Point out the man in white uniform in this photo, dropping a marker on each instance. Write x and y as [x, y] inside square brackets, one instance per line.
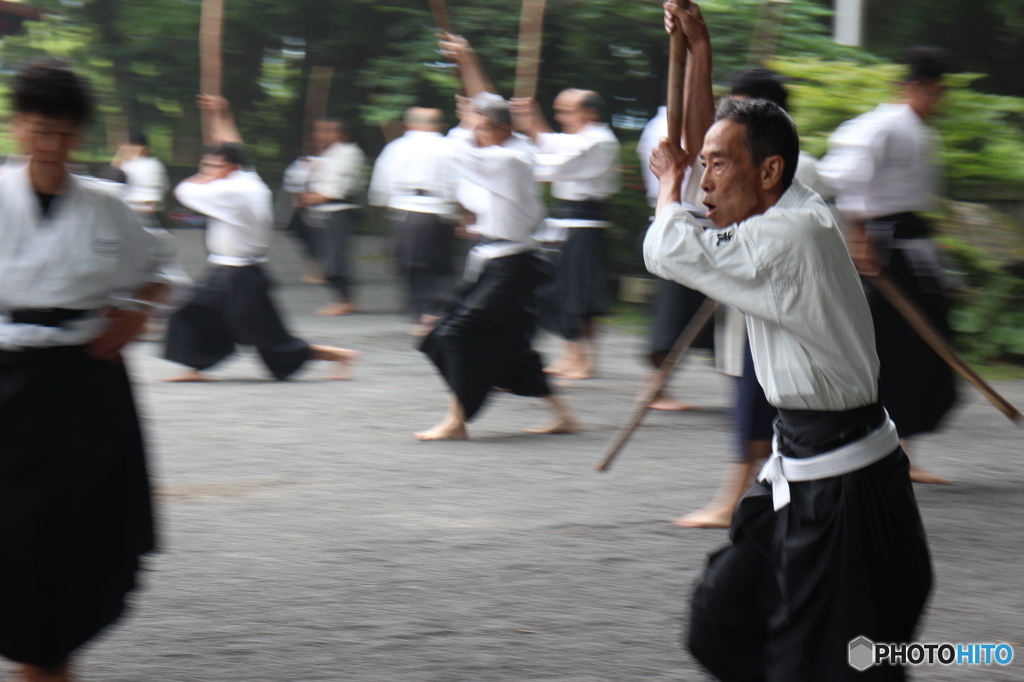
[414, 179]
[582, 163]
[78, 277]
[829, 546]
[485, 341]
[337, 178]
[146, 175]
[882, 166]
[233, 305]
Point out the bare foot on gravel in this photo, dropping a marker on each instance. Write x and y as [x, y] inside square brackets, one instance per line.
[556, 425]
[922, 476]
[444, 431]
[713, 516]
[337, 309]
[669, 404]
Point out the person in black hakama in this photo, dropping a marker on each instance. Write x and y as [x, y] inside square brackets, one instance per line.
[336, 179]
[232, 306]
[485, 341]
[582, 163]
[829, 545]
[414, 180]
[78, 277]
[882, 167]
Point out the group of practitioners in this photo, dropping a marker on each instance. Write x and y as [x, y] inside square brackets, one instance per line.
[825, 547]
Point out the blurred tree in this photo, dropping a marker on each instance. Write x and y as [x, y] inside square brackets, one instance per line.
[987, 36]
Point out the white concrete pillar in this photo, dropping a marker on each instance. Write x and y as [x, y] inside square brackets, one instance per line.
[849, 22]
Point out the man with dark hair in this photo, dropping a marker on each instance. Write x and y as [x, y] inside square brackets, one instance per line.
[336, 180]
[582, 163]
[147, 177]
[883, 169]
[829, 545]
[414, 179]
[233, 305]
[753, 414]
[485, 341]
[78, 278]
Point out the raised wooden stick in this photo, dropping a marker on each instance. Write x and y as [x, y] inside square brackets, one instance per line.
[531, 31]
[676, 79]
[653, 387]
[317, 94]
[442, 19]
[211, 26]
[923, 326]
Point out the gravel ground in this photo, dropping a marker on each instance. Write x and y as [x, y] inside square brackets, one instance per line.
[307, 536]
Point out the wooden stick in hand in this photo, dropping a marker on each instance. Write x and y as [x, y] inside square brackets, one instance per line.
[676, 78]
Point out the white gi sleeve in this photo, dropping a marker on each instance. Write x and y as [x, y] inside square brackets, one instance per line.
[726, 264]
[572, 162]
[146, 258]
[856, 149]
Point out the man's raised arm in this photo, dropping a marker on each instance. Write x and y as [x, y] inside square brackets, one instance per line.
[474, 79]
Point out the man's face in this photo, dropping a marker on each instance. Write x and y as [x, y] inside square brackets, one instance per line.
[47, 140]
[731, 181]
[216, 167]
[569, 113]
[488, 133]
[325, 134]
[924, 96]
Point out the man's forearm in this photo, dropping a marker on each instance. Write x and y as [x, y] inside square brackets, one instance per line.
[668, 191]
[698, 100]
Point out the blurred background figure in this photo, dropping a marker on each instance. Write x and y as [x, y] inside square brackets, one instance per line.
[78, 277]
[336, 181]
[485, 342]
[146, 176]
[884, 171]
[414, 179]
[582, 163]
[296, 183]
[232, 306]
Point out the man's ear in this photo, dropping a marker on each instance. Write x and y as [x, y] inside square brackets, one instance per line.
[771, 172]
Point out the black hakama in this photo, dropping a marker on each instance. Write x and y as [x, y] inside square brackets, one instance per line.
[233, 306]
[75, 507]
[423, 252]
[333, 249]
[484, 342]
[918, 386]
[582, 286]
[847, 557]
[301, 231]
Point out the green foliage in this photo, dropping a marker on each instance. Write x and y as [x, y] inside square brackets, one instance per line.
[988, 316]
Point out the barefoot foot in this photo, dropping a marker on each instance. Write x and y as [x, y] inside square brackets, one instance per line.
[922, 476]
[193, 375]
[446, 430]
[556, 425]
[713, 516]
[669, 404]
[337, 309]
[344, 361]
